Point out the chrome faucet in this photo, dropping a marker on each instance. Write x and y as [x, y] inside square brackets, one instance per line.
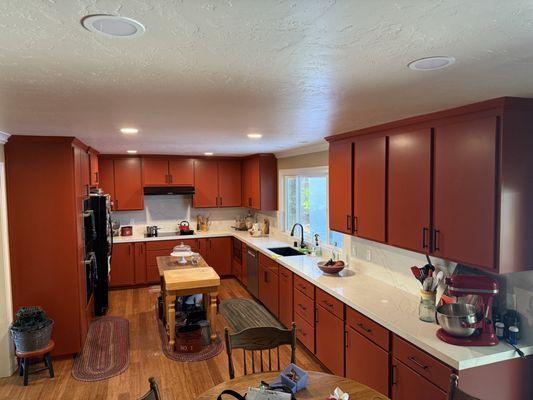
[302, 243]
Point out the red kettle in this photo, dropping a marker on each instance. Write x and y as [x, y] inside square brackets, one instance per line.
[184, 226]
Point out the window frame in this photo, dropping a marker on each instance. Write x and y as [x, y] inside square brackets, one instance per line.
[282, 215]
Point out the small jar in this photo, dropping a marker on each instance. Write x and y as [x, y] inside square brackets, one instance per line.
[426, 308]
[514, 333]
[500, 330]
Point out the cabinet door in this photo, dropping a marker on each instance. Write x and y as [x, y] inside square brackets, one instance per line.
[219, 255]
[93, 161]
[107, 177]
[273, 292]
[140, 263]
[263, 285]
[229, 183]
[244, 270]
[122, 265]
[366, 362]
[205, 183]
[155, 172]
[409, 194]
[285, 297]
[181, 172]
[202, 249]
[408, 385]
[370, 187]
[128, 184]
[330, 340]
[251, 183]
[340, 186]
[465, 191]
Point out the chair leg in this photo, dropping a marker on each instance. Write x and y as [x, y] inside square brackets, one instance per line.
[48, 363]
[19, 362]
[25, 363]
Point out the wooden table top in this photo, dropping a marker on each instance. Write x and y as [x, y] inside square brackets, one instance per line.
[178, 276]
[319, 387]
[165, 263]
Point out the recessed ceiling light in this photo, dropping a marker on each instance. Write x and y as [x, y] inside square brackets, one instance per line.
[254, 135]
[113, 25]
[131, 151]
[129, 131]
[431, 63]
[208, 154]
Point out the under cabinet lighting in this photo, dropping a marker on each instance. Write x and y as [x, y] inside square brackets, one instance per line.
[129, 131]
[131, 151]
[208, 154]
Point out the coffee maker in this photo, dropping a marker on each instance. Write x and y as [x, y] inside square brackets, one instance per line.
[486, 288]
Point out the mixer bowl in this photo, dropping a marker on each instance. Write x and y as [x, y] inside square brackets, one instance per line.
[457, 318]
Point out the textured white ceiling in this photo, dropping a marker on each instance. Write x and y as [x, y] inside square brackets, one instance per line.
[205, 73]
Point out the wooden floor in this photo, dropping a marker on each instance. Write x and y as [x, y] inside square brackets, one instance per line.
[177, 380]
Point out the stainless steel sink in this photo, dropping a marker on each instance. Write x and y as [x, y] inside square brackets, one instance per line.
[286, 251]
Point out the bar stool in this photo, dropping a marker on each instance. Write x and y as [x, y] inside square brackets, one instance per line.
[25, 357]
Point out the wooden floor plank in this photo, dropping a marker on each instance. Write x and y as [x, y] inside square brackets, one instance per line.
[177, 380]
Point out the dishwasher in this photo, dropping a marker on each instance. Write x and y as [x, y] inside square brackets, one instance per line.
[253, 273]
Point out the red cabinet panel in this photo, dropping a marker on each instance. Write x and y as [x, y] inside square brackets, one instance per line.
[269, 289]
[251, 183]
[107, 177]
[244, 268]
[206, 187]
[93, 161]
[329, 334]
[465, 191]
[229, 183]
[368, 328]
[370, 187]
[366, 362]
[409, 195]
[340, 186]
[305, 332]
[285, 297]
[181, 172]
[128, 184]
[304, 306]
[155, 172]
[140, 263]
[408, 385]
[122, 265]
[219, 254]
[304, 286]
[330, 303]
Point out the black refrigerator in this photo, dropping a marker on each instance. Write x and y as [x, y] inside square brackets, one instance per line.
[102, 248]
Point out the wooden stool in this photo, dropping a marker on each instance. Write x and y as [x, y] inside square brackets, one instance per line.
[24, 358]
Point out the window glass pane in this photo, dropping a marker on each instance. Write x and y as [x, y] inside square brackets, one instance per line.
[290, 202]
[335, 237]
[317, 206]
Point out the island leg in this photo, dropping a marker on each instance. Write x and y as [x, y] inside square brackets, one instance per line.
[212, 313]
[170, 304]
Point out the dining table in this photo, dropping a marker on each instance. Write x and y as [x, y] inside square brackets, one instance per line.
[319, 386]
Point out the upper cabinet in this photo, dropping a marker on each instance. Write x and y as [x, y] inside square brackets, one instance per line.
[453, 184]
[93, 167]
[167, 172]
[121, 178]
[370, 163]
[340, 186]
[409, 185]
[260, 182]
[217, 183]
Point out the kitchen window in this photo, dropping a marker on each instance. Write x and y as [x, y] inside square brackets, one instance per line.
[305, 200]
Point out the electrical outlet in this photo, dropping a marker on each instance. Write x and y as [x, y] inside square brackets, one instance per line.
[368, 255]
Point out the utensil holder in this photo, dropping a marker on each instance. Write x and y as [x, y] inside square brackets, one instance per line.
[426, 308]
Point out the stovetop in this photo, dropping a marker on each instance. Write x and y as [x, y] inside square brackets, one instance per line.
[164, 234]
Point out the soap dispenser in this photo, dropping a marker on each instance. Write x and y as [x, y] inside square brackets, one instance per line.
[317, 249]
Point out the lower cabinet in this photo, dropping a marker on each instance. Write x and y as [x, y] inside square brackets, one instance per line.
[285, 297]
[269, 289]
[122, 265]
[140, 277]
[409, 385]
[244, 269]
[329, 334]
[217, 253]
[366, 362]
[305, 332]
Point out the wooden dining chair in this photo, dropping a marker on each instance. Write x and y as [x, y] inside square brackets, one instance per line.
[454, 393]
[259, 339]
[153, 393]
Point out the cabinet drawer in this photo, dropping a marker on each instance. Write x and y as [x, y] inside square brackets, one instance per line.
[330, 303]
[152, 274]
[421, 362]
[305, 333]
[269, 263]
[368, 328]
[170, 244]
[304, 307]
[305, 287]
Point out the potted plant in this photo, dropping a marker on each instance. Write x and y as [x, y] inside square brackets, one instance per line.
[32, 329]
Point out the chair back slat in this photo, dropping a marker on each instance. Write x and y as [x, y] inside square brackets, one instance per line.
[259, 339]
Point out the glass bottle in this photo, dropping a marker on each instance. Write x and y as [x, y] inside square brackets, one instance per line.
[426, 307]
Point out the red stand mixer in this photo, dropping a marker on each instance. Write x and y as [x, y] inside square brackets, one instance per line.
[466, 324]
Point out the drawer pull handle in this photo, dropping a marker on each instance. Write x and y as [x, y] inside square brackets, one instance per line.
[302, 307]
[415, 361]
[367, 330]
[301, 287]
[327, 304]
[302, 332]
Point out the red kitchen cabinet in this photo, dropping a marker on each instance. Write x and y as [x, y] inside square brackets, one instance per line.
[260, 182]
[251, 176]
[269, 289]
[466, 155]
[408, 385]
[340, 186]
[229, 183]
[140, 263]
[329, 334]
[244, 270]
[155, 172]
[93, 163]
[370, 188]
[181, 171]
[107, 177]
[366, 362]
[167, 172]
[206, 183]
[128, 184]
[122, 265]
[409, 190]
[217, 253]
[285, 297]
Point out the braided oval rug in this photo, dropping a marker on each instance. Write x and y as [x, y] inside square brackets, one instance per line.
[106, 352]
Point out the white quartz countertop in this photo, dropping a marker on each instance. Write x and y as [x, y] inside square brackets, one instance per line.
[393, 308]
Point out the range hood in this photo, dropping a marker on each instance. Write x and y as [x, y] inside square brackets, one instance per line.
[169, 190]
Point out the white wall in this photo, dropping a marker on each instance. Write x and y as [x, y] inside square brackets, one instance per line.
[7, 361]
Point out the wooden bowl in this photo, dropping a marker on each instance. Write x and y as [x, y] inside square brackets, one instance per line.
[330, 269]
